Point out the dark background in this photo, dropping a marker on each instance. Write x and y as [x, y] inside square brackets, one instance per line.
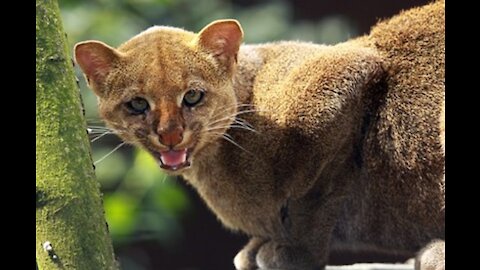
[157, 222]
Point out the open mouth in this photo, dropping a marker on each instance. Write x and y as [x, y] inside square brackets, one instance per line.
[174, 160]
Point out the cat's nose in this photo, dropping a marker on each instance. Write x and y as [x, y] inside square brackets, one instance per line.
[171, 136]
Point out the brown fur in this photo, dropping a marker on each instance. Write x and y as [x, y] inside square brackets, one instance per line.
[348, 152]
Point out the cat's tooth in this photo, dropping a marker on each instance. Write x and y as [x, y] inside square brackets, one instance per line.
[162, 160]
[184, 156]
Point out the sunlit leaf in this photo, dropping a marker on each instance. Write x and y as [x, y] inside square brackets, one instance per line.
[121, 213]
[145, 161]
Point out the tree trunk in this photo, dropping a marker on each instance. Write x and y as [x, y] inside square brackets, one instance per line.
[70, 225]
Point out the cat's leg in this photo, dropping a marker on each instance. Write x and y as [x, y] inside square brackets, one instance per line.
[245, 259]
[286, 256]
[268, 254]
[432, 257]
[307, 226]
[325, 94]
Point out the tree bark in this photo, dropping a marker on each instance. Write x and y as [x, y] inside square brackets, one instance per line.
[71, 232]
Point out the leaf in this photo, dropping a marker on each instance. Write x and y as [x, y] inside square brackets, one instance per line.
[121, 211]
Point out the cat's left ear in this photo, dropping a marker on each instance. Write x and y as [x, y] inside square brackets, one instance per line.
[222, 39]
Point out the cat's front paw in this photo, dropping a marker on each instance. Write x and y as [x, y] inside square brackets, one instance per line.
[245, 259]
[432, 257]
[273, 255]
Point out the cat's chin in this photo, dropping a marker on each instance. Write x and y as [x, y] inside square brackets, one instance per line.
[173, 160]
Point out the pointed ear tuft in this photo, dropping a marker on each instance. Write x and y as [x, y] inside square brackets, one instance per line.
[222, 39]
[96, 59]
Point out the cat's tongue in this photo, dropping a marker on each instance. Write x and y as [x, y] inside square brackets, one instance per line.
[174, 158]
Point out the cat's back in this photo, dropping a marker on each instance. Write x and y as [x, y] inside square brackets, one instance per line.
[278, 63]
[408, 128]
[413, 46]
[403, 149]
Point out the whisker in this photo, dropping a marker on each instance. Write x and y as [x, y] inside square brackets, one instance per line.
[220, 120]
[240, 105]
[109, 153]
[100, 136]
[98, 131]
[245, 124]
[164, 178]
[94, 133]
[90, 130]
[231, 126]
[103, 127]
[244, 105]
[237, 123]
[244, 127]
[232, 116]
[229, 139]
[237, 106]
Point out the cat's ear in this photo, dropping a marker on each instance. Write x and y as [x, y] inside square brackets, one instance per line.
[222, 39]
[97, 60]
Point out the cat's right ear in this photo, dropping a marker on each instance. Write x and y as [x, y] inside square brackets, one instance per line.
[97, 60]
[222, 39]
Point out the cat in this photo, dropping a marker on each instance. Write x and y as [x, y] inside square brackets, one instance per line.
[306, 148]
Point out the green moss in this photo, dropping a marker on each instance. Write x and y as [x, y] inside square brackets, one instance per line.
[69, 209]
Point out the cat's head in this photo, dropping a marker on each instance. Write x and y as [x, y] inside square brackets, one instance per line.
[167, 90]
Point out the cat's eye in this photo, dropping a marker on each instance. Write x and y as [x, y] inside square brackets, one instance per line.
[137, 105]
[193, 97]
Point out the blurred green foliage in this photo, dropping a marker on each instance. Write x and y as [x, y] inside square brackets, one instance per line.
[140, 201]
[144, 204]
